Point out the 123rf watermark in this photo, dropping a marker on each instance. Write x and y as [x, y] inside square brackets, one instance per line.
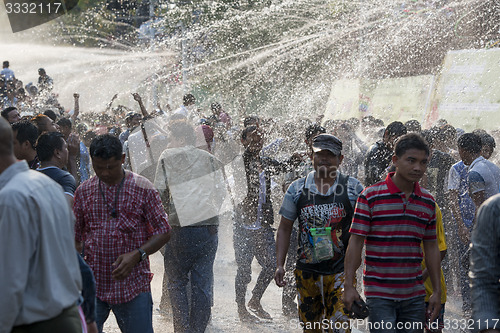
[363, 324]
[26, 14]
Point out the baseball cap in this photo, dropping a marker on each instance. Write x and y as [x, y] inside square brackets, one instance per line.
[327, 142]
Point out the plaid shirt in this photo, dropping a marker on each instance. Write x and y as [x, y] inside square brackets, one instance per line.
[140, 216]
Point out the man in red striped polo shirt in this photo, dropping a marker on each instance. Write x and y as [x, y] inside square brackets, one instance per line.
[392, 217]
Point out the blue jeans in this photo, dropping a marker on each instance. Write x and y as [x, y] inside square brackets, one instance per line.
[189, 259]
[135, 316]
[389, 316]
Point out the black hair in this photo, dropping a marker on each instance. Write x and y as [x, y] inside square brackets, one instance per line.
[413, 125]
[65, 122]
[446, 132]
[6, 63]
[247, 131]
[486, 139]
[6, 111]
[51, 114]
[106, 146]
[313, 129]
[26, 131]
[470, 142]
[250, 120]
[396, 128]
[188, 99]
[47, 143]
[216, 107]
[410, 141]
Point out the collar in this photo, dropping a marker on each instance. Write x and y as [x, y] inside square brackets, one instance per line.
[394, 189]
[12, 171]
[477, 160]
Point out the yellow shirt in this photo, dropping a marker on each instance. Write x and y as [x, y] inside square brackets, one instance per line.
[442, 247]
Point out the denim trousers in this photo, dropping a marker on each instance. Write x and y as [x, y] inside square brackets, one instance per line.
[247, 245]
[135, 316]
[390, 316]
[189, 260]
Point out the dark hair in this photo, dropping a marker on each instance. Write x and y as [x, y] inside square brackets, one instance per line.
[470, 142]
[6, 63]
[216, 107]
[313, 129]
[247, 131]
[188, 99]
[410, 141]
[6, 111]
[486, 139]
[446, 132]
[51, 114]
[183, 131]
[413, 125]
[396, 128]
[106, 146]
[428, 136]
[65, 122]
[250, 120]
[47, 143]
[26, 131]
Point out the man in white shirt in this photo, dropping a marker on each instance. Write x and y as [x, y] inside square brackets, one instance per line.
[40, 276]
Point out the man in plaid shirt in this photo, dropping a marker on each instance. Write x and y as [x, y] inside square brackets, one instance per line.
[119, 222]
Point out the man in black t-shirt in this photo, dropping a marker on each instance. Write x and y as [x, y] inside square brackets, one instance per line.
[25, 135]
[52, 151]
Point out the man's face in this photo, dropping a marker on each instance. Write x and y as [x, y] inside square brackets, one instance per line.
[64, 153]
[48, 125]
[412, 165]
[326, 163]
[487, 151]
[18, 152]
[13, 116]
[109, 171]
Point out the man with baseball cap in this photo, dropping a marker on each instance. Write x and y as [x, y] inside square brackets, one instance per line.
[323, 202]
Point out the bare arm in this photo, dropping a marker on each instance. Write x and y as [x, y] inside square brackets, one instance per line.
[282, 244]
[352, 262]
[138, 98]
[433, 264]
[76, 107]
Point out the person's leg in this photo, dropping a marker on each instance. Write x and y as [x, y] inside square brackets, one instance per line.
[288, 305]
[135, 316]
[102, 313]
[244, 253]
[382, 317]
[310, 300]
[333, 286]
[265, 253]
[411, 315]
[202, 276]
[177, 265]
[464, 279]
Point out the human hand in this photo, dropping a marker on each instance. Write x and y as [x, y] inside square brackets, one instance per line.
[124, 265]
[279, 276]
[92, 327]
[349, 296]
[73, 144]
[434, 307]
[76, 95]
[137, 97]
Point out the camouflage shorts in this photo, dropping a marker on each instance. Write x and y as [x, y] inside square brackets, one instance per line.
[320, 302]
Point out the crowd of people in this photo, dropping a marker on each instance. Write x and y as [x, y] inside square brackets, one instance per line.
[422, 203]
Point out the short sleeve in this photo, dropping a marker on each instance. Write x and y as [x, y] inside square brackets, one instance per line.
[361, 221]
[289, 206]
[453, 179]
[440, 230]
[476, 182]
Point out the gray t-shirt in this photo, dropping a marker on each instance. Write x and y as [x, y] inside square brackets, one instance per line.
[484, 176]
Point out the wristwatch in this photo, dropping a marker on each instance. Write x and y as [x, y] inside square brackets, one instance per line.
[142, 253]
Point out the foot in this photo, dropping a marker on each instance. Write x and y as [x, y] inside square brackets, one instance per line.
[246, 316]
[256, 307]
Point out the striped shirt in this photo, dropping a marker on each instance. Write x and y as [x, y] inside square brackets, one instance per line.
[394, 228]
